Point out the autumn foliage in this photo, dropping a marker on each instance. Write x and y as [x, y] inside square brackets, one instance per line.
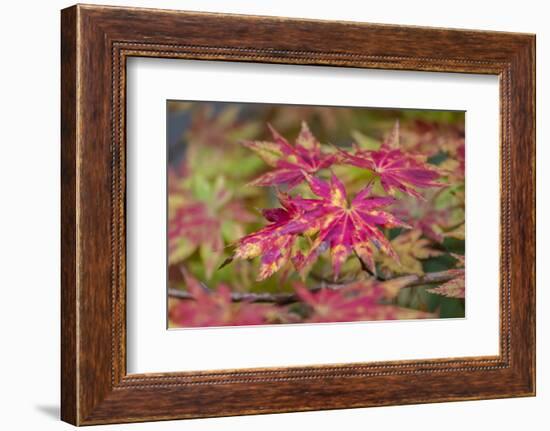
[264, 229]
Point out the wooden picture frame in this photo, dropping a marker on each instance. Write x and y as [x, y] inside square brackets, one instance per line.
[96, 41]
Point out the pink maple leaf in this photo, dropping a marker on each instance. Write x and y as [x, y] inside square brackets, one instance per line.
[427, 216]
[197, 224]
[194, 225]
[290, 161]
[271, 243]
[345, 227]
[339, 305]
[456, 287]
[359, 300]
[397, 170]
[215, 308]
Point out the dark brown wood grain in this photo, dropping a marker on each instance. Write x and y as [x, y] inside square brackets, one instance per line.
[68, 217]
[96, 41]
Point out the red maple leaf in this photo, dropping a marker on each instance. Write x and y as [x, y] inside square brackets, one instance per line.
[344, 227]
[271, 243]
[359, 300]
[215, 308]
[193, 226]
[397, 170]
[290, 161]
[345, 304]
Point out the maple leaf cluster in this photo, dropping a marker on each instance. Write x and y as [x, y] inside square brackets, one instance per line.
[331, 220]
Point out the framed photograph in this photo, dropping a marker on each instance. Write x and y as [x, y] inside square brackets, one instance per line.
[265, 215]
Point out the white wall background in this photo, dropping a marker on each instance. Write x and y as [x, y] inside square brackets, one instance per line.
[29, 215]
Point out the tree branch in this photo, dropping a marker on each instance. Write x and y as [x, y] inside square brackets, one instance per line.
[289, 298]
[277, 298]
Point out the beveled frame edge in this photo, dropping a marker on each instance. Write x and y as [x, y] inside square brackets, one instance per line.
[96, 41]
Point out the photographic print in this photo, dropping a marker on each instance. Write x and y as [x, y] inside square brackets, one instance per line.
[287, 214]
[313, 243]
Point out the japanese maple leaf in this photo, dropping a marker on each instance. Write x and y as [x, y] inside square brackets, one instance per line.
[193, 226]
[344, 304]
[455, 164]
[271, 242]
[456, 287]
[360, 300]
[427, 216]
[397, 170]
[290, 161]
[432, 138]
[215, 308]
[197, 223]
[344, 227]
[411, 249]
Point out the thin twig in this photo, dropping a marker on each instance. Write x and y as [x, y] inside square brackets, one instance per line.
[289, 298]
[365, 268]
[277, 298]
